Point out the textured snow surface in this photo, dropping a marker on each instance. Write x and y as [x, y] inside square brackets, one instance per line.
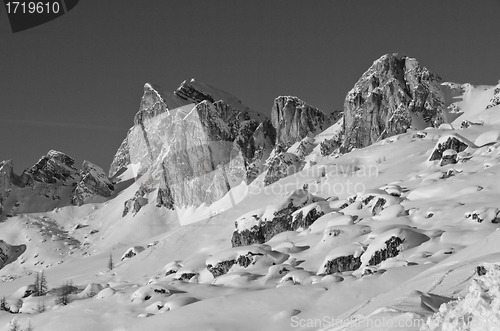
[478, 310]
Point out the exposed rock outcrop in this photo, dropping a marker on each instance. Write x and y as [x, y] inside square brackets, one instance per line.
[328, 146]
[281, 165]
[450, 142]
[391, 244]
[342, 258]
[9, 253]
[93, 182]
[394, 94]
[261, 225]
[131, 252]
[137, 201]
[495, 99]
[236, 258]
[307, 215]
[222, 267]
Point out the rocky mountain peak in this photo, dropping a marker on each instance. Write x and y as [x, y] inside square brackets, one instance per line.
[189, 151]
[188, 91]
[224, 108]
[51, 168]
[394, 94]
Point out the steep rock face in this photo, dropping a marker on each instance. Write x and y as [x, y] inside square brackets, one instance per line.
[293, 120]
[93, 182]
[257, 149]
[394, 94]
[195, 164]
[157, 101]
[122, 157]
[194, 153]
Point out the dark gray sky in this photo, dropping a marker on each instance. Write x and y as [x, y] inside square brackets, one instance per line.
[74, 84]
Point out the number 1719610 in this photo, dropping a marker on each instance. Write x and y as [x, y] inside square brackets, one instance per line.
[24, 7]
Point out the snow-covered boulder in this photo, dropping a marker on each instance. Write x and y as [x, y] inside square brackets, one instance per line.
[484, 214]
[377, 200]
[242, 257]
[261, 225]
[488, 137]
[90, 291]
[300, 276]
[105, 293]
[452, 141]
[154, 292]
[449, 157]
[13, 305]
[177, 302]
[24, 291]
[307, 215]
[172, 267]
[131, 252]
[343, 258]
[390, 244]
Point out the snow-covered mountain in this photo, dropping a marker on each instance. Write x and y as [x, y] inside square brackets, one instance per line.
[383, 217]
[52, 182]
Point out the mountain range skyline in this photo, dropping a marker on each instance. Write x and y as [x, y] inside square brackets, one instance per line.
[75, 87]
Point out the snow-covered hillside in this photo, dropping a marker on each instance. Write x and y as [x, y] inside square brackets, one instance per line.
[401, 234]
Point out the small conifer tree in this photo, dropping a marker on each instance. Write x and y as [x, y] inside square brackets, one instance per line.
[111, 264]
